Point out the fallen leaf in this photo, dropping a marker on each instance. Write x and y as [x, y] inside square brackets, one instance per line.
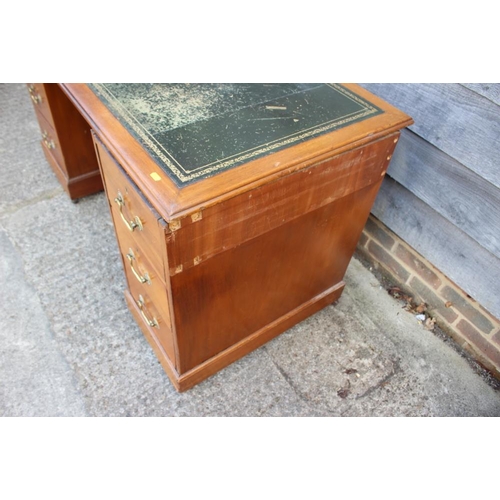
[343, 393]
[349, 371]
[409, 305]
[449, 304]
[394, 291]
[421, 308]
[429, 324]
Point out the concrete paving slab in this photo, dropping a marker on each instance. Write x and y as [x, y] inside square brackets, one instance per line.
[24, 173]
[80, 281]
[364, 356]
[35, 379]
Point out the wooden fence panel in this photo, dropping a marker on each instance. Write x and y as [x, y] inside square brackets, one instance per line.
[460, 195]
[461, 258]
[455, 119]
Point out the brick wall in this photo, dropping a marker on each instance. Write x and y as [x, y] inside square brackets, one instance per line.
[455, 312]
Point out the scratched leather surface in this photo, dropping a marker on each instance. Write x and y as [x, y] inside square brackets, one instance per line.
[194, 131]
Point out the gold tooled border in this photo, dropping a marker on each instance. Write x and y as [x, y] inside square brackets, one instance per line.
[184, 176]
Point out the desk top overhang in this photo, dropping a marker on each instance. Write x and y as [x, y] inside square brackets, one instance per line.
[189, 146]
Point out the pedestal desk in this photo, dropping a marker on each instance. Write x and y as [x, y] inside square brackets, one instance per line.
[236, 207]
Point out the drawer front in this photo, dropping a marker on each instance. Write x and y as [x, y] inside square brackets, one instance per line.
[132, 214]
[147, 259]
[141, 274]
[152, 304]
[50, 140]
[39, 100]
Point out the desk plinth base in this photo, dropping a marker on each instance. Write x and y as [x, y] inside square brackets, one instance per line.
[185, 381]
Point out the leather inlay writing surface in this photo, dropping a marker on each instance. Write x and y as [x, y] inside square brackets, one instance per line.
[194, 131]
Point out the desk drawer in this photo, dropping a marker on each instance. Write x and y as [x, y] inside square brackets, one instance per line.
[143, 280]
[139, 270]
[153, 307]
[132, 213]
[50, 140]
[40, 101]
[148, 259]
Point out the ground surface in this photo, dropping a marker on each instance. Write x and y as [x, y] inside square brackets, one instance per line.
[69, 347]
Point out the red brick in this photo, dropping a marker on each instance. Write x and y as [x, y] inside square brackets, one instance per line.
[460, 303]
[388, 261]
[432, 300]
[494, 319]
[496, 338]
[362, 240]
[418, 266]
[487, 348]
[379, 234]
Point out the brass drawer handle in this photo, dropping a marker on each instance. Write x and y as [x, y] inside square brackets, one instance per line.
[150, 322]
[131, 224]
[142, 279]
[47, 140]
[35, 97]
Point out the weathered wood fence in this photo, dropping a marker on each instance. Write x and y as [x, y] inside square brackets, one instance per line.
[442, 193]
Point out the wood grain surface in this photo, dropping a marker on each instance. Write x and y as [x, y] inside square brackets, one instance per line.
[235, 293]
[241, 256]
[453, 118]
[248, 215]
[77, 170]
[454, 253]
[489, 90]
[172, 202]
[463, 197]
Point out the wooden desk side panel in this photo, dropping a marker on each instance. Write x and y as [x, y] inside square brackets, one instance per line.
[227, 298]
[78, 172]
[213, 230]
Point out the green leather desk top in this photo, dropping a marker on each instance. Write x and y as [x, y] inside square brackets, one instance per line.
[194, 131]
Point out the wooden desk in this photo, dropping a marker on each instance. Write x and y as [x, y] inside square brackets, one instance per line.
[237, 208]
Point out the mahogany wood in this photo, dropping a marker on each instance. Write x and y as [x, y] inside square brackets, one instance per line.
[50, 137]
[155, 307]
[213, 365]
[240, 257]
[77, 169]
[153, 340]
[231, 222]
[230, 296]
[172, 202]
[40, 100]
[152, 235]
